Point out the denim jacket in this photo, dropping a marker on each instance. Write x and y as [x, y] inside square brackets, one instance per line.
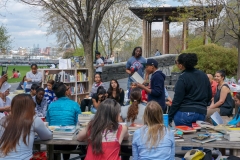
[165, 150]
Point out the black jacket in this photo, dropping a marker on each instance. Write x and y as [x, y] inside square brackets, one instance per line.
[192, 93]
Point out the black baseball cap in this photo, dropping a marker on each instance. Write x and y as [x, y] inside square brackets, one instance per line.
[152, 62]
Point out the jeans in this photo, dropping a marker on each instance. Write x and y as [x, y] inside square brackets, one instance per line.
[187, 118]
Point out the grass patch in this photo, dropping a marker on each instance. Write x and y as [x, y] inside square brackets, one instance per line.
[22, 69]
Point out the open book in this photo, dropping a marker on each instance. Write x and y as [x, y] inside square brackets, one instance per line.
[137, 78]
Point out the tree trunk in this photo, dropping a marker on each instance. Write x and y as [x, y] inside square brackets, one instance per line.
[238, 68]
[88, 50]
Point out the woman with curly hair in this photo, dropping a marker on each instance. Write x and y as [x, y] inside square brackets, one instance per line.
[133, 112]
[115, 92]
[192, 92]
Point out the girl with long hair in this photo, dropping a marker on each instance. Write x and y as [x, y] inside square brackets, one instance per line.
[134, 111]
[98, 98]
[104, 133]
[153, 140]
[115, 92]
[18, 129]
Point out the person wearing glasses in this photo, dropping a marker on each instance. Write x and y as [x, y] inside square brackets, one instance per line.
[192, 92]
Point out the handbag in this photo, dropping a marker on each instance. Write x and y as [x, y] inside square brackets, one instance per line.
[194, 154]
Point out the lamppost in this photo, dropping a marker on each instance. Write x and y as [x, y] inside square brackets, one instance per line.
[117, 57]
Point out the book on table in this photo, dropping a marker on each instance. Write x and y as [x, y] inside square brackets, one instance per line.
[63, 130]
[196, 126]
[203, 139]
[186, 129]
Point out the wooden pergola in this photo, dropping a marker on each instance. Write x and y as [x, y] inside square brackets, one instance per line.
[172, 14]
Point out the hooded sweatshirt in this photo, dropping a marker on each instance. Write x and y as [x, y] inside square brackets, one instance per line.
[157, 89]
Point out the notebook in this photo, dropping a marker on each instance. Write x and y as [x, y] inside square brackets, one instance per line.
[137, 78]
[203, 139]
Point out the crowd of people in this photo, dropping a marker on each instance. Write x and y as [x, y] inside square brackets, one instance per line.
[196, 97]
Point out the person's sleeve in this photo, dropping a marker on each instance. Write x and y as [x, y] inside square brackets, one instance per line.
[101, 61]
[177, 99]
[157, 86]
[166, 93]
[134, 146]
[28, 75]
[78, 111]
[173, 146]
[123, 112]
[46, 96]
[47, 114]
[128, 64]
[209, 92]
[43, 132]
[122, 97]
[45, 105]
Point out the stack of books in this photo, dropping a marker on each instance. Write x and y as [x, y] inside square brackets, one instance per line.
[80, 88]
[81, 76]
[186, 129]
[63, 132]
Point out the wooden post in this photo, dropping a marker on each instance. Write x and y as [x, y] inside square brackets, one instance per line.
[205, 37]
[144, 42]
[167, 37]
[185, 35]
[149, 39]
[164, 36]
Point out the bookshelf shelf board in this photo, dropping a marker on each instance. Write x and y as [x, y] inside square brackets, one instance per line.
[68, 82]
[83, 93]
[81, 81]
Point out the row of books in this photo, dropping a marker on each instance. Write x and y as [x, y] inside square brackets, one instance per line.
[66, 78]
[82, 76]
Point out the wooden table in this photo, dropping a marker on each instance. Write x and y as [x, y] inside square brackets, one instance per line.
[234, 146]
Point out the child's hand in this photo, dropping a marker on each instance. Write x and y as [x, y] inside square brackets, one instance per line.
[238, 125]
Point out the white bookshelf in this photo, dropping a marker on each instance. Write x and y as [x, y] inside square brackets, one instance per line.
[77, 79]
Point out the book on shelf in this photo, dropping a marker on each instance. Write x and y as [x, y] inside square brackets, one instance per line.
[186, 129]
[55, 77]
[80, 88]
[81, 76]
[203, 139]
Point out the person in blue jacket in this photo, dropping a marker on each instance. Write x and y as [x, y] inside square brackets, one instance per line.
[64, 112]
[156, 92]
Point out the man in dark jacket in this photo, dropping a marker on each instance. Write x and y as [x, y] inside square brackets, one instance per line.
[156, 91]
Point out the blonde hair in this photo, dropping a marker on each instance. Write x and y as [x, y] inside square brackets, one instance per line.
[153, 118]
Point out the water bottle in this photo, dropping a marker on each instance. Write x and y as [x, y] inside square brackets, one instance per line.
[86, 109]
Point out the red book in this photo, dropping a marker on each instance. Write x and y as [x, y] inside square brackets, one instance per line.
[185, 129]
[196, 126]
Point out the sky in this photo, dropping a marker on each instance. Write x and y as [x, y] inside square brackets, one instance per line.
[23, 24]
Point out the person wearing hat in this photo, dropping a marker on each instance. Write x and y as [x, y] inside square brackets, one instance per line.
[156, 91]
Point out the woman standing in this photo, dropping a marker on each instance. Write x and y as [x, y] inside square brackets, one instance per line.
[17, 131]
[192, 92]
[153, 140]
[222, 101]
[41, 103]
[49, 94]
[33, 77]
[115, 92]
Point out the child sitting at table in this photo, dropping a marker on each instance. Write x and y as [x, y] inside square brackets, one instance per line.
[33, 90]
[153, 140]
[103, 132]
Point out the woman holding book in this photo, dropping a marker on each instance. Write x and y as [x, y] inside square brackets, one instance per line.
[153, 140]
[115, 92]
[103, 133]
[87, 100]
[17, 131]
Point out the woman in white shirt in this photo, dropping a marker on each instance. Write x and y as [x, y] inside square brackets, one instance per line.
[5, 102]
[17, 131]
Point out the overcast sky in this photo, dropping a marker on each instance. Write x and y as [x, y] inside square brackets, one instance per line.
[23, 24]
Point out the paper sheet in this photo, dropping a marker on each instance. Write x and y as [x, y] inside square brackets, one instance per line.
[137, 78]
